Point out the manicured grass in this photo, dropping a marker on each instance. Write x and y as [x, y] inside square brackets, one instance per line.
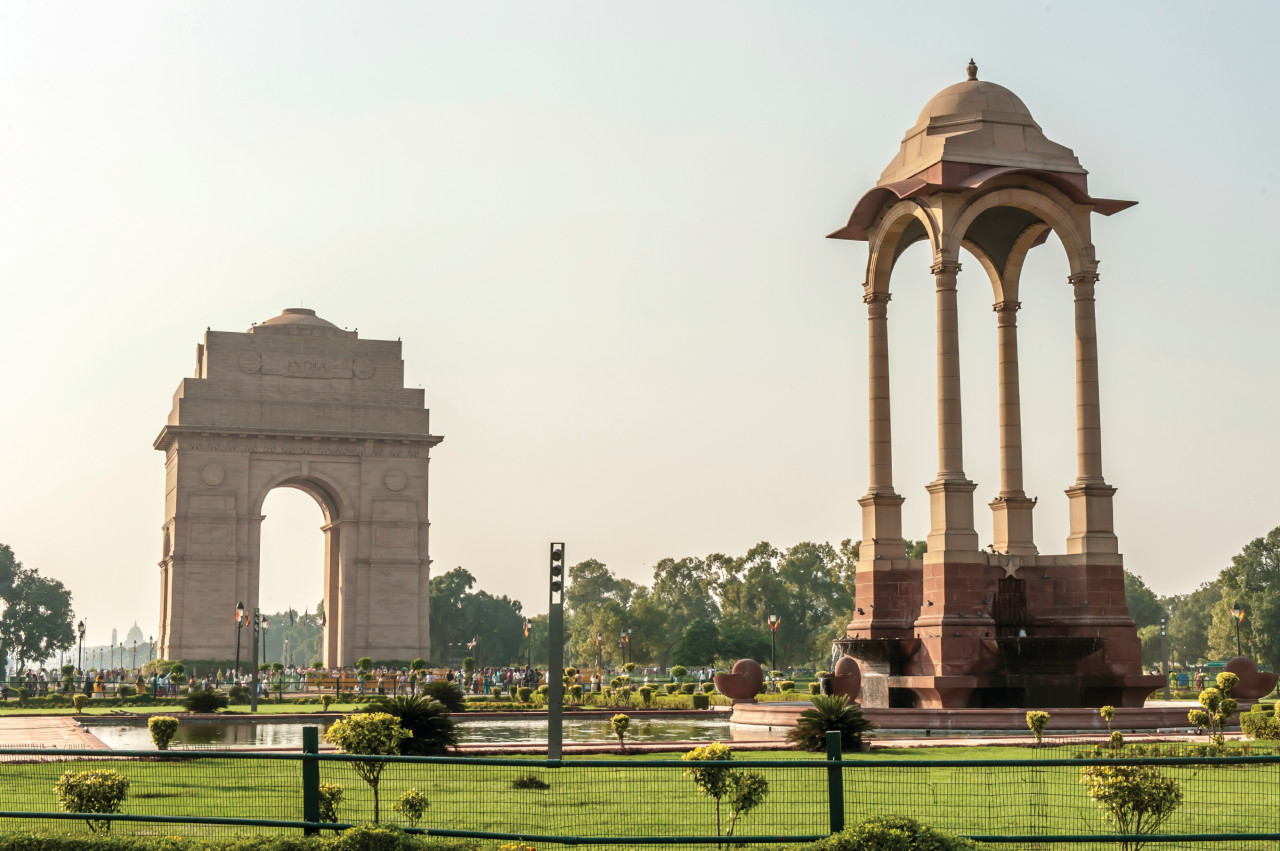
[586, 798]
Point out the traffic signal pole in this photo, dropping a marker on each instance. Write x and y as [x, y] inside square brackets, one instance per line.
[555, 655]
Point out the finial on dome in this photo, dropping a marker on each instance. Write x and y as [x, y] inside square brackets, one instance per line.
[973, 70]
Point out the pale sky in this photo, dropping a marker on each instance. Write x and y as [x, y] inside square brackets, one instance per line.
[598, 229]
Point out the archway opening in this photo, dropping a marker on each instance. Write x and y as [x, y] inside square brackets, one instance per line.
[291, 576]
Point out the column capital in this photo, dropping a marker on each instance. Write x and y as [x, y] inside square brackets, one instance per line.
[875, 297]
[1083, 283]
[1006, 312]
[945, 268]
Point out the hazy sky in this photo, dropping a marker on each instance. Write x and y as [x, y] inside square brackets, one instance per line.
[598, 228]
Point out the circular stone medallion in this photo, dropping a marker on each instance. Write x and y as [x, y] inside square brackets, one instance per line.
[395, 480]
[362, 368]
[212, 474]
[250, 362]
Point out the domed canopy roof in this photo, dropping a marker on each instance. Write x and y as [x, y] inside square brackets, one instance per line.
[980, 123]
[299, 316]
[967, 136]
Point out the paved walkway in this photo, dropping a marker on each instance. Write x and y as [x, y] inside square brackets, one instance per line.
[46, 731]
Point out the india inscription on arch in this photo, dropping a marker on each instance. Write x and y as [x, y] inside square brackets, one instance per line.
[297, 402]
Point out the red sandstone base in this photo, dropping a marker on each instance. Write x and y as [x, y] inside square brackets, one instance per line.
[960, 720]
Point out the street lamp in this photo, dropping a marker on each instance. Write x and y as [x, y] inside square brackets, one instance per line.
[151, 640]
[240, 618]
[774, 620]
[80, 631]
[135, 653]
[266, 625]
[1237, 611]
[631, 656]
[528, 628]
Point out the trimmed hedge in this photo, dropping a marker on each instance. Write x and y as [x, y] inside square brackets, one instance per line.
[379, 837]
[891, 833]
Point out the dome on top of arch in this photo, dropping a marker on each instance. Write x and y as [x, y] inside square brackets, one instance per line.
[978, 123]
[298, 316]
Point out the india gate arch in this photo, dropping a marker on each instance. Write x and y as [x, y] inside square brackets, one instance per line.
[1009, 625]
[297, 402]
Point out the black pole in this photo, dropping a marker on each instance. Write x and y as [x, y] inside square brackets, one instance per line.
[773, 651]
[1164, 650]
[1237, 636]
[555, 654]
[238, 625]
[253, 692]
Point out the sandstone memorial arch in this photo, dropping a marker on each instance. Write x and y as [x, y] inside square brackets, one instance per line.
[1007, 626]
[297, 402]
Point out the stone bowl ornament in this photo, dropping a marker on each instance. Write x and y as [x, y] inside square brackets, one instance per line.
[743, 683]
[846, 679]
[1253, 683]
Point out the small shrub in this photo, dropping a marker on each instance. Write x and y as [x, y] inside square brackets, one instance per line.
[1259, 725]
[619, 724]
[708, 687]
[238, 695]
[575, 692]
[702, 701]
[892, 833]
[829, 713]
[446, 693]
[787, 685]
[325, 700]
[162, 728]
[544, 690]
[688, 688]
[815, 688]
[431, 729]
[524, 694]
[671, 688]
[745, 790]
[679, 671]
[101, 792]
[78, 701]
[123, 691]
[374, 734]
[206, 701]
[1117, 740]
[1136, 798]
[412, 804]
[1037, 721]
[330, 798]
[630, 667]
[530, 781]
[646, 695]
[1108, 714]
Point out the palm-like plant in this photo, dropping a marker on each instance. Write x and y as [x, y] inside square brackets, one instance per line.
[830, 713]
[428, 720]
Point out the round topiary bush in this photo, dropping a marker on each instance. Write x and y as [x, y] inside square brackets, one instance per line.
[892, 833]
[671, 688]
[688, 688]
[708, 687]
[524, 694]
[787, 685]
[163, 728]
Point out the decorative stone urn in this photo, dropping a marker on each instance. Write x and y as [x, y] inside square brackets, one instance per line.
[743, 683]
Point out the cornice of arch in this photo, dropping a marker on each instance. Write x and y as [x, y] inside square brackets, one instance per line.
[885, 236]
[1053, 207]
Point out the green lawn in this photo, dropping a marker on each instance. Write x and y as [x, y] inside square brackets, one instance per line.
[586, 798]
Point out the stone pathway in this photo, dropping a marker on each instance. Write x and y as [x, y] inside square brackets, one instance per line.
[46, 731]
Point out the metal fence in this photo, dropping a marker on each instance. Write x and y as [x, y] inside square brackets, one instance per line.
[1036, 801]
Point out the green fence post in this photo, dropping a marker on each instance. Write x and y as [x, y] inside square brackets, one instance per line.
[835, 781]
[310, 778]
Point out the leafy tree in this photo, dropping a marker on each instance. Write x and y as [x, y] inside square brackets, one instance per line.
[1190, 617]
[1152, 649]
[459, 615]
[37, 613]
[1253, 580]
[745, 790]
[697, 644]
[1144, 606]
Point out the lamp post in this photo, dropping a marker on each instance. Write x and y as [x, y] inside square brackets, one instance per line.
[774, 620]
[151, 640]
[240, 613]
[631, 656]
[80, 632]
[266, 656]
[135, 653]
[599, 652]
[1238, 612]
[528, 628]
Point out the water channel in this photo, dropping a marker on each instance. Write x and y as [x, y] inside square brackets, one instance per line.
[267, 733]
